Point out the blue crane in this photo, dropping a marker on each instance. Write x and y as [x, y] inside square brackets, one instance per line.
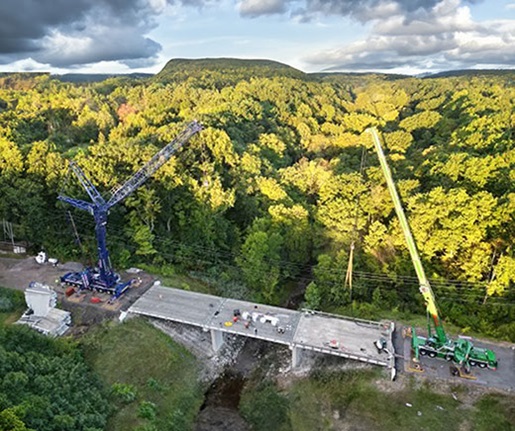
[104, 278]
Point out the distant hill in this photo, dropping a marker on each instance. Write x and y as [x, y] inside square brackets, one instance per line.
[472, 73]
[21, 80]
[98, 77]
[229, 69]
[354, 75]
[355, 79]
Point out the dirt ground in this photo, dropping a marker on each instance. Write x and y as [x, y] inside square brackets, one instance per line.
[18, 273]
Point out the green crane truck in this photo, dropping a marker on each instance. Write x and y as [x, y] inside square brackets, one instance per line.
[437, 344]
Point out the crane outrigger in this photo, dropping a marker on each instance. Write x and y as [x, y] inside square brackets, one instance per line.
[437, 344]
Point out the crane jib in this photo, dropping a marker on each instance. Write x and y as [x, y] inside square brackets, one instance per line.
[436, 344]
[158, 160]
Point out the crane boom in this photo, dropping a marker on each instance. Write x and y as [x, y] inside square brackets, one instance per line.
[425, 287]
[149, 168]
[87, 184]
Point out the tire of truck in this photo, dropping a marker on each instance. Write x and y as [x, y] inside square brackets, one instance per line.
[432, 354]
[481, 365]
[448, 357]
[472, 363]
[423, 352]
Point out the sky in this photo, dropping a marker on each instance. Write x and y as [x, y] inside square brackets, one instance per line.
[126, 36]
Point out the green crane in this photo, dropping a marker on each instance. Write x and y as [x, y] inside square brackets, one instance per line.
[437, 344]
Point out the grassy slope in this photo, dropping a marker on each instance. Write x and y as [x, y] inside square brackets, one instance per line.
[357, 400]
[351, 400]
[161, 371]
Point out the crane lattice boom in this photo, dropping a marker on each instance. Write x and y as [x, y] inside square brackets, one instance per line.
[158, 160]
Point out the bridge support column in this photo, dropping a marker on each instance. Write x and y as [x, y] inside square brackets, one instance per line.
[217, 339]
[296, 356]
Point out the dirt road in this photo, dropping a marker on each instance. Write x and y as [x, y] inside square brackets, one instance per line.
[18, 273]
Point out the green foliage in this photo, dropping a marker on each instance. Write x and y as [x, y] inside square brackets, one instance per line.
[147, 410]
[124, 392]
[312, 296]
[280, 182]
[265, 408]
[44, 383]
[260, 262]
[329, 275]
[11, 300]
[10, 420]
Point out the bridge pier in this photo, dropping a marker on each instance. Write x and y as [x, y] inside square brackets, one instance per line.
[296, 356]
[217, 339]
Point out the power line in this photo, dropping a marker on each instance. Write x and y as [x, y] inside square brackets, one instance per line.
[458, 284]
[115, 232]
[451, 291]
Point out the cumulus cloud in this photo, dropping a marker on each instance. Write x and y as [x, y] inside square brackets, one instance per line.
[446, 34]
[255, 8]
[67, 33]
[403, 33]
[362, 10]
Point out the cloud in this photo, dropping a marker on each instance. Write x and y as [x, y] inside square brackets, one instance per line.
[61, 50]
[362, 10]
[255, 8]
[444, 36]
[415, 33]
[67, 33]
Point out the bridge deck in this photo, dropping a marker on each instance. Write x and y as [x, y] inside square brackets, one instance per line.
[334, 335]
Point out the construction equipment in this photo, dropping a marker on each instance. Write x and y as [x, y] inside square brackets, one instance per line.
[103, 278]
[437, 344]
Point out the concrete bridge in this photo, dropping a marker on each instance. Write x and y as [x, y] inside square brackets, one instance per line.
[300, 330]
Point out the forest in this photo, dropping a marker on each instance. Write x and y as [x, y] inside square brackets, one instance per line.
[282, 188]
[45, 384]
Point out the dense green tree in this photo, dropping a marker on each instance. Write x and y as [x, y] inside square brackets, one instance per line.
[282, 180]
[260, 264]
[46, 385]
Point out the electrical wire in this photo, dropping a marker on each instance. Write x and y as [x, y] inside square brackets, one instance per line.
[452, 289]
[458, 284]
